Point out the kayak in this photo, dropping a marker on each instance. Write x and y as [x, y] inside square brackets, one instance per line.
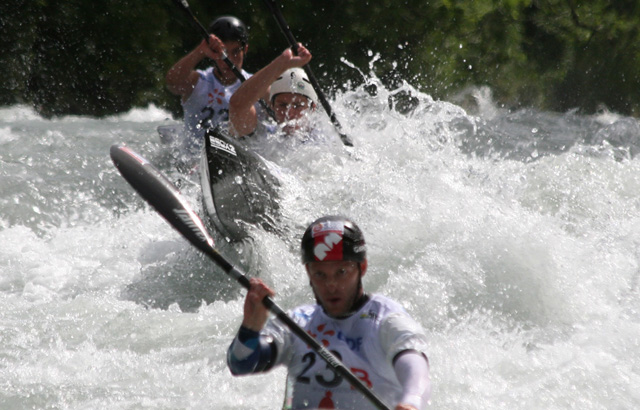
[239, 189]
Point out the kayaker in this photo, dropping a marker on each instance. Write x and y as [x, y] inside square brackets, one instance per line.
[205, 93]
[372, 334]
[287, 88]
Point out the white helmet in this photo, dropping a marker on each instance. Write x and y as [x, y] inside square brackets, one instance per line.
[294, 80]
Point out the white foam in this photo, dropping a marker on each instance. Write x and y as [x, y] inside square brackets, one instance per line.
[148, 114]
[18, 113]
[523, 272]
[6, 135]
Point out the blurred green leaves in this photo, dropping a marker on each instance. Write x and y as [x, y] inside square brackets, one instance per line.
[99, 58]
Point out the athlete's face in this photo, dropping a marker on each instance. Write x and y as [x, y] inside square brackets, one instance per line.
[235, 52]
[336, 284]
[291, 107]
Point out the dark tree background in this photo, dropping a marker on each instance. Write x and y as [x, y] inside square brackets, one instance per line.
[99, 58]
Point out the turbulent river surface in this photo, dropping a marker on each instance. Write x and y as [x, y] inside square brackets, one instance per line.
[511, 235]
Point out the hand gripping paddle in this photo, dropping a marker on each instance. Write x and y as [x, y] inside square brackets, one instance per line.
[161, 194]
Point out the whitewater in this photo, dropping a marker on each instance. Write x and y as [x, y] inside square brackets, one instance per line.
[511, 235]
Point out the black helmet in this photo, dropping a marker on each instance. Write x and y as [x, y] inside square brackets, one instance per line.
[229, 28]
[333, 238]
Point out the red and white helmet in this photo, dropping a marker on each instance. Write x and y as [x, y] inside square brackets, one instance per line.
[333, 238]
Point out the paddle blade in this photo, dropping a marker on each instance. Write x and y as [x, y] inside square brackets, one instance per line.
[160, 193]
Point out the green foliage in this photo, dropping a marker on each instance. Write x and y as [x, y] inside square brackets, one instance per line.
[99, 58]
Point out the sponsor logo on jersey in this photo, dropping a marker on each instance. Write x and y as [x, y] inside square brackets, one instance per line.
[323, 334]
[217, 96]
[369, 315]
[354, 343]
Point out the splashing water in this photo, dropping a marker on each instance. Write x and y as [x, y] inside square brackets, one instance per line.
[512, 236]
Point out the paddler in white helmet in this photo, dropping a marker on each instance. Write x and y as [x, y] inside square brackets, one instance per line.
[373, 335]
[287, 88]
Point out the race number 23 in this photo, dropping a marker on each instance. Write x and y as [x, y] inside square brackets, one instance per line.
[328, 378]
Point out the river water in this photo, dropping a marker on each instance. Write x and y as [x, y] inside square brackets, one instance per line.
[511, 235]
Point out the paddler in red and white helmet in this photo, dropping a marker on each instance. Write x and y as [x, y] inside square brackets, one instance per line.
[372, 334]
[287, 88]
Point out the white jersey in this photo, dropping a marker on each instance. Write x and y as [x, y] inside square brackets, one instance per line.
[366, 342]
[208, 105]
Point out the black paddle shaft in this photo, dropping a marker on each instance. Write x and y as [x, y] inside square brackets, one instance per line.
[162, 195]
[312, 78]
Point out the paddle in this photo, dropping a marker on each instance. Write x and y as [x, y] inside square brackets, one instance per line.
[312, 79]
[184, 6]
[160, 193]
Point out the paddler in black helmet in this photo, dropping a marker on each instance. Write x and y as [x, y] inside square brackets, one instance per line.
[372, 334]
[205, 93]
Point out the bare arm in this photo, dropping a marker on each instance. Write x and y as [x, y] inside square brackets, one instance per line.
[242, 111]
[183, 77]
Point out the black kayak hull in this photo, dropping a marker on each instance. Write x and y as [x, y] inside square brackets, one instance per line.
[239, 191]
